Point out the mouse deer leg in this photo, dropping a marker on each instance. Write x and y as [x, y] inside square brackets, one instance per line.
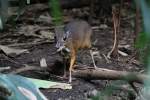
[72, 61]
[65, 66]
[91, 53]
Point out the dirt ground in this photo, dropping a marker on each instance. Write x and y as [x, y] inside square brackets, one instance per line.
[26, 34]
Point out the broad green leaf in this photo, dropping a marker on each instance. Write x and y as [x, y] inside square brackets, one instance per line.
[18, 88]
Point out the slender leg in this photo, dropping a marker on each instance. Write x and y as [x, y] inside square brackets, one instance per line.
[65, 62]
[93, 59]
[71, 66]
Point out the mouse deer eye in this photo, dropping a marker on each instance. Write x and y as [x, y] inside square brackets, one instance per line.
[66, 35]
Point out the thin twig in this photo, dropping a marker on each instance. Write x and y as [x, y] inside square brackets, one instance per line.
[134, 88]
[107, 60]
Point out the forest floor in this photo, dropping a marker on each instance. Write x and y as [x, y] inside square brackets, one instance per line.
[35, 34]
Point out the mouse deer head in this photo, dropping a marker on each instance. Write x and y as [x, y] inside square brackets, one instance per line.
[61, 38]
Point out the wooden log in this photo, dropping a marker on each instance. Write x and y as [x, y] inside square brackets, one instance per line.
[105, 74]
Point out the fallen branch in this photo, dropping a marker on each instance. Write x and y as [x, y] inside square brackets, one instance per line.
[30, 44]
[27, 68]
[105, 74]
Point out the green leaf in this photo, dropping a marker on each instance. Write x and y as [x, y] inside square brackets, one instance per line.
[56, 11]
[49, 84]
[142, 40]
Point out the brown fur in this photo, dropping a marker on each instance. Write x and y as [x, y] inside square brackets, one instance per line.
[80, 36]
